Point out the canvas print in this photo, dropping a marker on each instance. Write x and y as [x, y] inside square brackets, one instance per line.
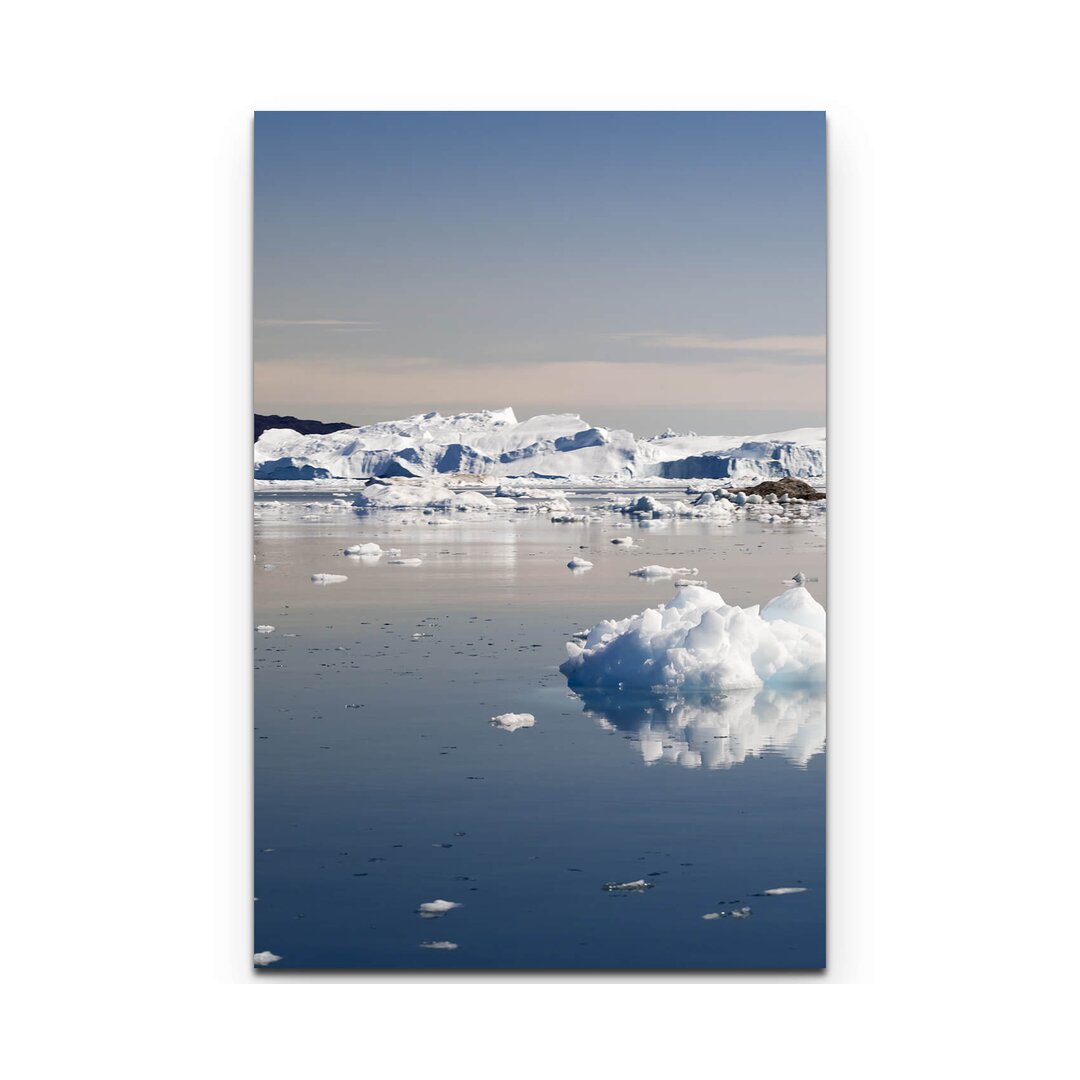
[539, 540]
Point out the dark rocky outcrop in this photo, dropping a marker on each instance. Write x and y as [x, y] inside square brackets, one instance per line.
[789, 486]
[305, 427]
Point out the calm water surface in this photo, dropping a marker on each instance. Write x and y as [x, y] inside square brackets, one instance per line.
[380, 784]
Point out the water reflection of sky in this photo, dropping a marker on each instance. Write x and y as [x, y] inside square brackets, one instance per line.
[714, 731]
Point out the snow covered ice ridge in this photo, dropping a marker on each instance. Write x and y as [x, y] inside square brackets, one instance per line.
[552, 446]
[696, 641]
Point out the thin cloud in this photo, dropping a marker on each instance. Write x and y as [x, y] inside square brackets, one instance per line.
[332, 324]
[790, 345]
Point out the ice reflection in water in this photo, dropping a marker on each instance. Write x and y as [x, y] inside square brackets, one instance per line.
[717, 730]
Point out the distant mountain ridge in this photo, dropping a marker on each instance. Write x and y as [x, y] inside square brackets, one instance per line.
[496, 444]
[292, 423]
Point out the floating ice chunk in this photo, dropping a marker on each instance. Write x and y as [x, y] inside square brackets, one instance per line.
[404, 562]
[364, 549]
[437, 945]
[714, 915]
[623, 541]
[328, 579]
[264, 628]
[407, 496]
[628, 886]
[742, 913]
[696, 641]
[783, 892]
[438, 907]
[579, 564]
[513, 721]
[264, 958]
[654, 571]
[567, 519]
[684, 583]
[796, 605]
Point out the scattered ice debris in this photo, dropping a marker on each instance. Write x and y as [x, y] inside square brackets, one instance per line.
[264, 958]
[437, 945]
[264, 628]
[404, 562]
[628, 886]
[654, 571]
[438, 907]
[328, 579]
[364, 549]
[684, 583]
[784, 891]
[512, 721]
[426, 497]
[696, 641]
[579, 564]
[742, 913]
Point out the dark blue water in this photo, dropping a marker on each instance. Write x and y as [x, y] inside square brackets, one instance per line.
[363, 813]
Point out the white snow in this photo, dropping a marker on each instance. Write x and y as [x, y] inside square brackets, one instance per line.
[438, 907]
[654, 571]
[512, 721]
[264, 958]
[696, 641]
[328, 579]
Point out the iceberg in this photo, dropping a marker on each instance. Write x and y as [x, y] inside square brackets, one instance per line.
[696, 641]
[557, 446]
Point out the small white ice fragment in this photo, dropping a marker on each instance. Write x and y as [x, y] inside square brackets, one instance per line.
[264, 958]
[782, 892]
[714, 915]
[662, 571]
[437, 945]
[623, 541]
[438, 907]
[363, 549]
[264, 628]
[327, 579]
[628, 886]
[404, 562]
[579, 564]
[513, 721]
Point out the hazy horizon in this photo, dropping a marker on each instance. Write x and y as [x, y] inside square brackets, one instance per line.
[643, 270]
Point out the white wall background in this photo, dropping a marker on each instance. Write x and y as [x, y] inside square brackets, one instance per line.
[953, 227]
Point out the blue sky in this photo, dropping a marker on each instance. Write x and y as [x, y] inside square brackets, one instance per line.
[642, 269]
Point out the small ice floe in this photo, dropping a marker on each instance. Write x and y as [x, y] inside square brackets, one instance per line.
[264, 628]
[404, 562]
[328, 579]
[654, 571]
[784, 891]
[364, 549]
[742, 913]
[437, 945]
[513, 721]
[628, 886]
[796, 579]
[437, 907]
[567, 519]
[715, 915]
[579, 564]
[623, 541]
[687, 582]
[264, 958]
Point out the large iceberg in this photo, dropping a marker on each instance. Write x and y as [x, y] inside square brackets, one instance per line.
[494, 443]
[696, 641]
